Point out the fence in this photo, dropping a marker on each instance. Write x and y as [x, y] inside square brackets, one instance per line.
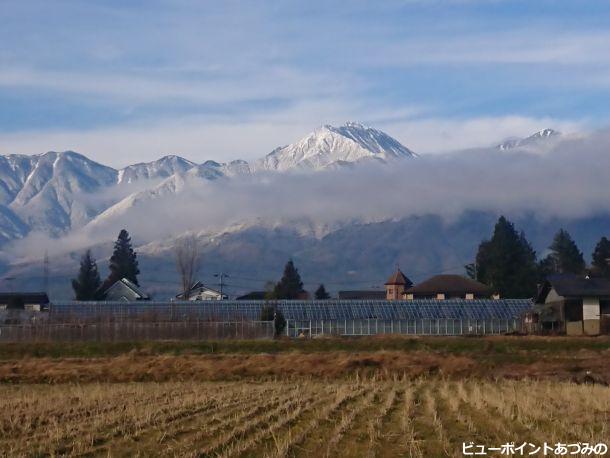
[122, 331]
[367, 327]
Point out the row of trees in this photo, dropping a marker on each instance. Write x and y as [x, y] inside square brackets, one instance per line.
[508, 263]
[88, 285]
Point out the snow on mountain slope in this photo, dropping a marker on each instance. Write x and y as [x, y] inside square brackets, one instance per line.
[58, 192]
[55, 192]
[149, 199]
[545, 137]
[328, 146]
[11, 226]
[14, 171]
[52, 197]
[229, 169]
[161, 168]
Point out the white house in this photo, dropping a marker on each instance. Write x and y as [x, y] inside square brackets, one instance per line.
[200, 292]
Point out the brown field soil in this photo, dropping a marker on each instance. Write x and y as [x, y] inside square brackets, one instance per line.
[425, 417]
[561, 359]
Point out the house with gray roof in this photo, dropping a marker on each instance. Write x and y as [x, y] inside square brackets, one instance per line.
[575, 304]
[200, 292]
[125, 291]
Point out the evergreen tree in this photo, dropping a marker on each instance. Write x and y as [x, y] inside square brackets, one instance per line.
[601, 258]
[279, 323]
[271, 313]
[507, 262]
[565, 257]
[123, 262]
[290, 286]
[86, 285]
[321, 293]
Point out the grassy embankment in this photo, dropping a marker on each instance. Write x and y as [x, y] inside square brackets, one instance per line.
[456, 357]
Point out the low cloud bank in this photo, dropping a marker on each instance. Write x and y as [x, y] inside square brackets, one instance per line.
[569, 181]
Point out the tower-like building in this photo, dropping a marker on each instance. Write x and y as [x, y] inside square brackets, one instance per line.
[396, 285]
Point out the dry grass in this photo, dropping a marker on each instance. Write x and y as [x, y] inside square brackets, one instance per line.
[136, 367]
[372, 417]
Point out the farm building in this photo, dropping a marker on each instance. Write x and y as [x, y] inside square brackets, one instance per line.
[576, 305]
[24, 300]
[448, 287]
[333, 317]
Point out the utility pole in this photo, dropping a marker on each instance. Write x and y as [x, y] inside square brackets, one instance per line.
[221, 276]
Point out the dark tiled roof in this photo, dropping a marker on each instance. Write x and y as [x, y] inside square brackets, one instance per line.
[450, 284]
[575, 286]
[253, 296]
[398, 278]
[355, 295]
[260, 295]
[27, 297]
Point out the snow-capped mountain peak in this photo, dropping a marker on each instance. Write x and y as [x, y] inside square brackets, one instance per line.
[535, 140]
[545, 133]
[56, 192]
[328, 146]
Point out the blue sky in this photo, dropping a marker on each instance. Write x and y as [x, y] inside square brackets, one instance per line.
[130, 81]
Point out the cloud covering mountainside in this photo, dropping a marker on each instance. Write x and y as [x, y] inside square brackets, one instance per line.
[318, 196]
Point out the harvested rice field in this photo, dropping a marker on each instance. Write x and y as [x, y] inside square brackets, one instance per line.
[425, 417]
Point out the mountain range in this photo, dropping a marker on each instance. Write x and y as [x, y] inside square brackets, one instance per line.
[55, 192]
[62, 194]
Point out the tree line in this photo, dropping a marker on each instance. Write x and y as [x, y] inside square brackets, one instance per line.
[508, 263]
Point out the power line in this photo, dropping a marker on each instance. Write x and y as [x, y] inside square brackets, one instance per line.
[221, 276]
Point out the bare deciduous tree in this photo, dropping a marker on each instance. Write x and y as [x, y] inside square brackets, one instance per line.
[188, 261]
